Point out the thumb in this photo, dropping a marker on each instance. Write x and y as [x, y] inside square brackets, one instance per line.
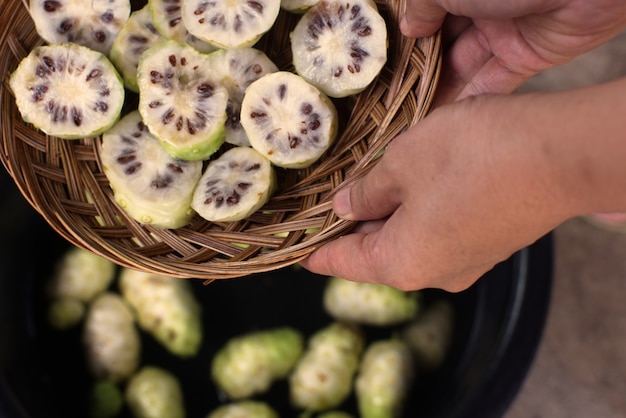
[375, 196]
[422, 18]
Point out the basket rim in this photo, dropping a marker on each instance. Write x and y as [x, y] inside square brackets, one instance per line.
[64, 182]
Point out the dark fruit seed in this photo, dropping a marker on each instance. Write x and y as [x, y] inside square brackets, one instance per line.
[238, 23]
[253, 167]
[161, 182]
[338, 72]
[168, 116]
[99, 36]
[175, 168]
[256, 6]
[306, 108]
[244, 186]
[60, 114]
[219, 201]
[107, 17]
[51, 5]
[179, 123]
[49, 63]
[233, 199]
[126, 158]
[102, 107]
[282, 90]
[172, 9]
[154, 104]
[104, 92]
[95, 73]
[191, 127]
[294, 141]
[133, 168]
[65, 26]
[174, 22]
[358, 53]
[39, 92]
[172, 60]
[77, 116]
[138, 39]
[218, 20]
[314, 124]
[257, 69]
[255, 115]
[41, 71]
[50, 105]
[155, 77]
[205, 90]
[183, 61]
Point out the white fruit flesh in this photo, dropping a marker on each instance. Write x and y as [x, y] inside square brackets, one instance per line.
[288, 120]
[181, 101]
[234, 186]
[166, 15]
[111, 340]
[92, 23]
[340, 47]
[68, 91]
[150, 185]
[297, 6]
[230, 23]
[236, 69]
[135, 37]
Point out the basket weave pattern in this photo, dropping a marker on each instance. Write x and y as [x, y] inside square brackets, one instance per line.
[64, 182]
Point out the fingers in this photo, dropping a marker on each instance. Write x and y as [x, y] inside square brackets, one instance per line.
[347, 257]
[374, 196]
[422, 18]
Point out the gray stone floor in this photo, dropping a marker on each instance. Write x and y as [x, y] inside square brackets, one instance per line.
[580, 368]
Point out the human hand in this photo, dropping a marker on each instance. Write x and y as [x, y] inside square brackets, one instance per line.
[493, 46]
[461, 191]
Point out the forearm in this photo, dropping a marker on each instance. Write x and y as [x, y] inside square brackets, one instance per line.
[578, 140]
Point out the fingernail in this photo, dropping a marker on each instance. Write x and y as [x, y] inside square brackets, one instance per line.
[341, 203]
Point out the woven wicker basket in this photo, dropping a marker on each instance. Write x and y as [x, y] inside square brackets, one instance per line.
[63, 179]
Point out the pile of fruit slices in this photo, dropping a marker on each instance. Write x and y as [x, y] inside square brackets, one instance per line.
[201, 83]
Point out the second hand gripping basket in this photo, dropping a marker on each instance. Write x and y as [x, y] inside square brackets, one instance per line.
[64, 182]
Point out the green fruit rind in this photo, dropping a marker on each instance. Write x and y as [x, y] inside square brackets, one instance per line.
[180, 100]
[92, 23]
[244, 409]
[322, 378]
[133, 172]
[111, 340]
[297, 6]
[166, 16]
[138, 28]
[236, 69]
[196, 152]
[384, 379]
[47, 91]
[248, 364]
[166, 308]
[340, 47]
[234, 186]
[288, 120]
[369, 303]
[154, 392]
[230, 23]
